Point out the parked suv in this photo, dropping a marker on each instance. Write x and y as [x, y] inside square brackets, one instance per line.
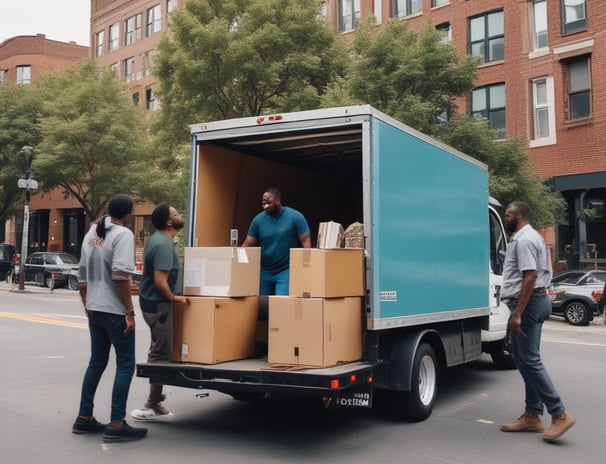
[574, 294]
[7, 252]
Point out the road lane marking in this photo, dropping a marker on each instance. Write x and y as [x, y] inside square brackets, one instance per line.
[44, 320]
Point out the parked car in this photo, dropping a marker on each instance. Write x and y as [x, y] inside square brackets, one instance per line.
[574, 294]
[48, 269]
[7, 252]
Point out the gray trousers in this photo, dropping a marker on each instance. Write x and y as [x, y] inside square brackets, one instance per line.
[161, 346]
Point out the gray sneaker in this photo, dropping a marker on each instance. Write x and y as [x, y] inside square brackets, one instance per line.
[150, 412]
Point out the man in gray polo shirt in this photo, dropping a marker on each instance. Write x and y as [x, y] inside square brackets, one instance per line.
[526, 276]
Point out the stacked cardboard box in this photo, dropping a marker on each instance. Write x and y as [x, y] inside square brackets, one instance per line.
[222, 285]
[320, 323]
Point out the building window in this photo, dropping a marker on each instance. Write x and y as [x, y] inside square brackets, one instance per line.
[377, 10]
[439, 2]
[132, 29]
[114, 37]
[135, 98]
[170, 4]
[147, 59]
[539, 16]
[349, 14]
[489, 102]
[115, 67]
[487, 36]
[99, 39]
[407, 7]
[543, 108]
[150, 100]
[3, 76]
[579, 88]
[574, 16]
[445, 29]
[154, 20]
[24, 74]
[129, 69]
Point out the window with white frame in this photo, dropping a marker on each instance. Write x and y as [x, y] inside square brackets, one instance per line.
[487, 36]
[129, 69]
[99, 39]
[132, 29]
[115, 67]
[3, 76]
[439, 2]
[170, 4]
[349, 14]
[574, 16]
[407, 7]
[377, 10]
[24, 74]
[151, 102]
[579, 88]
[147, 59]
[543, 102]
[539, 17]
[489, 102]
[445, 29]
[153, 21]
[114, 37]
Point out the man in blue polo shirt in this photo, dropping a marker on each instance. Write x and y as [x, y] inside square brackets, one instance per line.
[277, 229]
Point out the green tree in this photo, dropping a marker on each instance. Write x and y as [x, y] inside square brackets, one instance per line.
[93, 141]
[18, 127]
[412, 76]
[232, 58]
[511, 175]
[415, 77]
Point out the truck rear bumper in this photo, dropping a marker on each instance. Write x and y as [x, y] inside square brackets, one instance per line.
[255, 375]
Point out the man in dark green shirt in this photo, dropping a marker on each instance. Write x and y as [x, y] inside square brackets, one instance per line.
[156, 297]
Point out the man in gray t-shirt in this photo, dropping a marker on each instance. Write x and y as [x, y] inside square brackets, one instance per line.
[526, 276]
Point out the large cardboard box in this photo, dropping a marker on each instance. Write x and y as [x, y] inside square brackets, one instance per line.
[314, 332]
[326, 273]
[221, 271]
[213, 330]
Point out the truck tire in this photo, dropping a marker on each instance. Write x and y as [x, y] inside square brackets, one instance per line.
[501, 358]
[417, 404]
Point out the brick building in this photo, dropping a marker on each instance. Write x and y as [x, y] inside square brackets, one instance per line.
[543, 77]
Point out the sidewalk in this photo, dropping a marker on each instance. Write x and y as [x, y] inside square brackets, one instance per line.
[34, 289]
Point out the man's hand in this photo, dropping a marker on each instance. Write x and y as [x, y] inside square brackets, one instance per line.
[515, 323]
[130, 323]
[181, 299]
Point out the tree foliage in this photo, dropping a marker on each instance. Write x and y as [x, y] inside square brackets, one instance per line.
[18, 128]
[415, 77]
[232, 58]
[92, 140]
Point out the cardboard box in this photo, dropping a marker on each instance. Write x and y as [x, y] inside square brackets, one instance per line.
[213, 330]
[326, 273]
[221, 271]
[314, 332]
[330, 235]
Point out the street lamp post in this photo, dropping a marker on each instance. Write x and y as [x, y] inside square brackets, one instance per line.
[28, 184]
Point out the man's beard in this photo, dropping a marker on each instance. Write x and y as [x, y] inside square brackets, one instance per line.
[511, 226]
[178, 225]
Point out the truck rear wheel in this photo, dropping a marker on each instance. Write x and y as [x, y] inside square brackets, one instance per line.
[417, 404]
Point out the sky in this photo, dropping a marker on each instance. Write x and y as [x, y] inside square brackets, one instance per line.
[62, 20]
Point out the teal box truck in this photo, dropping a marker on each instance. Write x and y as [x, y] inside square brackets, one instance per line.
[433, 247]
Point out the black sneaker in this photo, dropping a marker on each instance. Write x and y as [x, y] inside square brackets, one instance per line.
[87, 426]
[125, 433]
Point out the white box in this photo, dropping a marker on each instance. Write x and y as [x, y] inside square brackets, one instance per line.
[330, 235]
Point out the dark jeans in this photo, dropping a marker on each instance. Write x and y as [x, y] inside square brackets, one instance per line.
[107, 330]
[525, 349]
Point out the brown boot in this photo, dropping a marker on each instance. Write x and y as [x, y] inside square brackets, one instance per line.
[560, 423]
[527, 422]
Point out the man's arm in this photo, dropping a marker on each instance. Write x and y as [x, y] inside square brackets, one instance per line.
[161, 284]
[250, 241]
[305, 240]
[529, 278]
[122, 283]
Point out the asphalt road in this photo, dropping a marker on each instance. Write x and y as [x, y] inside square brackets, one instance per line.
[44, 346]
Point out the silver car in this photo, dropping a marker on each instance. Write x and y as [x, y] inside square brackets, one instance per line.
[574, 294]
